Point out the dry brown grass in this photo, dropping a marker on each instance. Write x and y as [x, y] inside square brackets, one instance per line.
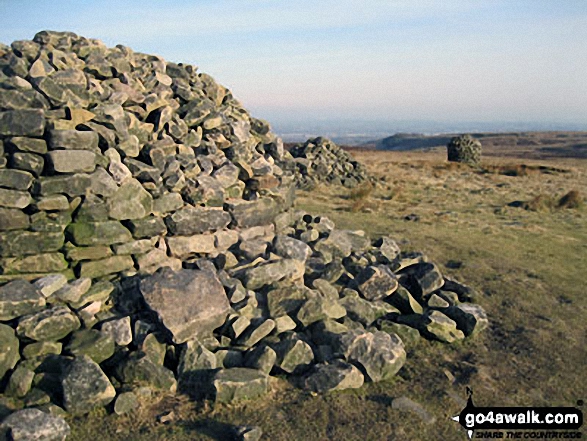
[541, 202]
[362, 191]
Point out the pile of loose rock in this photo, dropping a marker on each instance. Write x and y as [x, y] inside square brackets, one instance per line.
[465, 149]
[147, 242]
[321, 160]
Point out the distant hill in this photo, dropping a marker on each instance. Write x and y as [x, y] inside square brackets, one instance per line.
[532, 144]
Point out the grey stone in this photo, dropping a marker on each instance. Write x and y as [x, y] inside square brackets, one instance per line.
[189, 302]
[85, 387]
[291, 248]
[294, 355]
[408, 335]
[20, 382]
[262, 358]
[238, 384]
[22, 122]
[425, 278]
[53, 203]
[31, 145]
[96, 345]
[119, 330]
[41, 348]
[377, 282]
[142, 371]
[195, 220]
[48, 325]
[14, 198]
[73, 291]
[167, 203]
[248, 433]
[110, 265]
[381, 355]
[183, 247]
[74, 185]
[131, 201]
[48, 285]
[405, 302]
[256, 332]
[27, 161]
[252, 213]
[194, 358]
[39, 263]
[33, 424]
[9, 349]
[72, 161]
[125, 403]
[438, 326]
[19, 298]
[470, 318]
[101, 183]
[15, 179]
[147, 227]
[98, 233]
[22, 243]
[13, 220]
[336, 376]
[265, 274]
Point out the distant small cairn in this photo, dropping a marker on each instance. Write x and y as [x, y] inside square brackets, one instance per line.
[464, 149]
[321, 160]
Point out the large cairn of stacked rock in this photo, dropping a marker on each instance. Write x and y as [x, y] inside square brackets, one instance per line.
[148, 242]
[465, 149]
[319, 160]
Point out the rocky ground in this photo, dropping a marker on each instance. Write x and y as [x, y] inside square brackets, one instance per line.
[149, 248]
[527, 265]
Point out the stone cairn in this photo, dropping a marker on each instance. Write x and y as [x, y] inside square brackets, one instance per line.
[147, 242]
[321, 160]
[464, 149]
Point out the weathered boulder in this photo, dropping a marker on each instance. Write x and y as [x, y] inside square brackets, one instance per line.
[336, 376]
[85, 386]
[140, 370]
[265, 274]
[381, 355]
[188, 302]
[377, 282]
[9, 349]
[438, 326]
[237, 384]
[33, 424]
[48, 325]
[19, 298]
[470, 318]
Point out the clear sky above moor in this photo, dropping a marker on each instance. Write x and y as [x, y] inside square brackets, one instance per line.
[443, 60]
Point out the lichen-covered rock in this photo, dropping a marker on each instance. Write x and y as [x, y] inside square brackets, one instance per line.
[465, 149]
[85, 386]
[33, 424]
[96, 345]
[336, 376]
[48, 325]
[265, 274]
[9, 349]
[440, 327]
[237, 384]
[189, 302]
[293, 355]
[381, 355]
[142, 371]
[19, 298]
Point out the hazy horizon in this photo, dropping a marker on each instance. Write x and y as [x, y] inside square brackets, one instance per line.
[488, 63]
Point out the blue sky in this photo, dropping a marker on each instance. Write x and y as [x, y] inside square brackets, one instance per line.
[442, 60]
